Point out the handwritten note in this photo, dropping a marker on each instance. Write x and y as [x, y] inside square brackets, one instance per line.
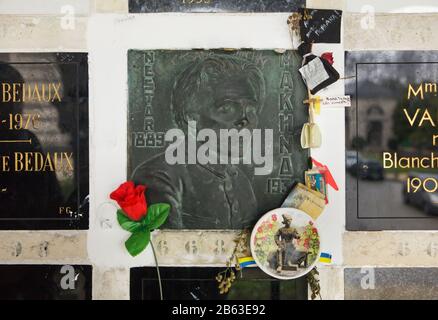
[320, 26]
[335, 102]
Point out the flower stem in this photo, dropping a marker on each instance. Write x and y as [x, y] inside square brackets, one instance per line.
[158, 271]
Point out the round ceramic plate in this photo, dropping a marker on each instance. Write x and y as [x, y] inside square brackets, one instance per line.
[285, 243]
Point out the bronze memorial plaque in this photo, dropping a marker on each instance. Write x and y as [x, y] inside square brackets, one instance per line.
[216, 134]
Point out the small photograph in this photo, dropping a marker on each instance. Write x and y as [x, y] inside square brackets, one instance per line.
[285, 243]
[315, 180]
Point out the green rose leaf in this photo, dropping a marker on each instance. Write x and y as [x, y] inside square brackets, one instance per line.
[138, 241]
[156, 216]
[126, 223]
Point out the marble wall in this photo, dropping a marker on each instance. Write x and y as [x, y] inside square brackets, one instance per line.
[393, 254]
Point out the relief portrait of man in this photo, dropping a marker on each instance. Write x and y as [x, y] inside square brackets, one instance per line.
[216, 133]
[217, 92]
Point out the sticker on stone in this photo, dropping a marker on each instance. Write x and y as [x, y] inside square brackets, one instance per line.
[285, 243]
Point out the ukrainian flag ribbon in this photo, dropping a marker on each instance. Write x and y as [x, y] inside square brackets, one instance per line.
[246, 261]
[325, 257]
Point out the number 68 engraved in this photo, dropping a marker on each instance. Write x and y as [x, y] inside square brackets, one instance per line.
[219, 247]
[191, 247]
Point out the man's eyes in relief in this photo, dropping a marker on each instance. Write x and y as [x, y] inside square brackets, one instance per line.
[229, 107]
[235, 107]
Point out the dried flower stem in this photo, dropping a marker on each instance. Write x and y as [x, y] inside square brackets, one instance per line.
[313, 281]
[226, 277]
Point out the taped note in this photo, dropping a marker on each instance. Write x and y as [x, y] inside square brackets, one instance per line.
[333, 102]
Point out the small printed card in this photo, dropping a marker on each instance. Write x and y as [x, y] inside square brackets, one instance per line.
[303, 198]
[315, 180]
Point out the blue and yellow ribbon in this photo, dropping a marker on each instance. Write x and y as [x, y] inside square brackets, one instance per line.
[325, 257]
[246, 261]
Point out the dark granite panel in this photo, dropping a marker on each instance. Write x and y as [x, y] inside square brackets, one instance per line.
[43, 141]
[45, 282]
[378, 198]
[200, 284]
[391, 283]
[145, 6]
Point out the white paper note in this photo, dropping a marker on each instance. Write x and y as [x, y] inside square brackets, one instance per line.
[336, 102]
[314, 73]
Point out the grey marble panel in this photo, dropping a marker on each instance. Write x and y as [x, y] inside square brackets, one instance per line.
[391, 283]
[145, 6]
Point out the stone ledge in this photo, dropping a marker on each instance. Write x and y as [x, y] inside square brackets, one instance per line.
[390, 32]
[197, 247]
[42, 33]
[43, 247]
[391, 248]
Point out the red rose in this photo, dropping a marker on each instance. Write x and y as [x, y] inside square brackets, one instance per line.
[131, 199]
[328, 56]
